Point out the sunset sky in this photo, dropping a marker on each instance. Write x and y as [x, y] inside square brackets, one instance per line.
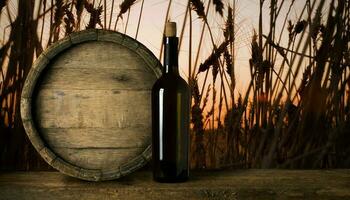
[153, 17]
[247, 15]
[152, 23]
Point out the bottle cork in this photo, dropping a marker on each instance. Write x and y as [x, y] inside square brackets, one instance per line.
[170, 29]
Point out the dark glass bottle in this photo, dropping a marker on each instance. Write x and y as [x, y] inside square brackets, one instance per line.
[170, 117]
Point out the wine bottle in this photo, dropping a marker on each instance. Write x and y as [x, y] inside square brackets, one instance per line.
[170, 116]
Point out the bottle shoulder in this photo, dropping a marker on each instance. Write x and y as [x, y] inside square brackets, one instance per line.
[170, 81]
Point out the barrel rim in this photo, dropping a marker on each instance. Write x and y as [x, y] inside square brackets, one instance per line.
[41, 63]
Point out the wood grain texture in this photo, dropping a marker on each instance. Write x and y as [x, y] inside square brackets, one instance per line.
[86, 104]
[131, 137]
[84, 36]
[98, 158]
[98, 78]
[56, 48]
[220, 185]
[99, 55]
[93, 108]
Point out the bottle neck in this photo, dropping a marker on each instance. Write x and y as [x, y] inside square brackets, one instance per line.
[170, 55]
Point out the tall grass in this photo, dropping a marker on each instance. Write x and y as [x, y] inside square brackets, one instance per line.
[289, 116]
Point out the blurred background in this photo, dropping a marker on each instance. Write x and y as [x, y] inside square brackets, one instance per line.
[269, 78]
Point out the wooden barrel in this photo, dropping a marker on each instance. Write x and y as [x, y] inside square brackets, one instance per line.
[86, 104]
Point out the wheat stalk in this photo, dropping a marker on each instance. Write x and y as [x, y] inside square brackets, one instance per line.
[139, 20]
[219, 6]
[123, 8]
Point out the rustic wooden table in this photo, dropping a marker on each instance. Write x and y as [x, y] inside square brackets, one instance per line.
[234, 184]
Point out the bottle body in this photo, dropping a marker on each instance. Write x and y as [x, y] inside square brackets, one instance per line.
[170, 121]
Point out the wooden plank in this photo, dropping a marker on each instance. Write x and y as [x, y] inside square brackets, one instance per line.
[98, 55]
[33, 134]
[57, 47]
[28, 88]
[132, 165]
[130, 43]
[97, 137]
[82, 36]
[48, 155]
[98, 79]
[233, 184]
[93, 108]
[153, 64]
[110, 36]
[97, 158]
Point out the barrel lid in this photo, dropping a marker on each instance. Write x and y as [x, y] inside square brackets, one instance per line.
[86, 104]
